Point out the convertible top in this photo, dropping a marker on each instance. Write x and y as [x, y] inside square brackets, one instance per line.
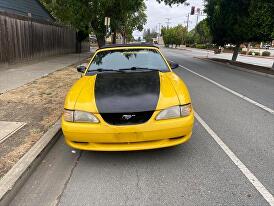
[128, 45]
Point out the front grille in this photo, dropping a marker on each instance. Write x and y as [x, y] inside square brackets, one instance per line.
[127, 118]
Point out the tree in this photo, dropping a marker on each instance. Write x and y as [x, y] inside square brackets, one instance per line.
[88, 15]
[228, 22]
[239, 21]
[73, 13]
[202, 33]
[121, 13]
[174, 35]
[261, 22]
[126, 16]
[171, 2]
[179, 34]
[134, 21]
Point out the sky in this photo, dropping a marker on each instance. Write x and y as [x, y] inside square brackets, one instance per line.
[158, 14]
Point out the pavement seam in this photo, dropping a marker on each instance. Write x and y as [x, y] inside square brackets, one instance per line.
[248, 174]
[232, 91]
[12, 132]
[58, 199]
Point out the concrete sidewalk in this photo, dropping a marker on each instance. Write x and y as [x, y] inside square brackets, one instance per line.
[265, 62]
[13, 76]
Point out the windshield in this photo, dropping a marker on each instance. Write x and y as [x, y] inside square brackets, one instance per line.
[135, 59]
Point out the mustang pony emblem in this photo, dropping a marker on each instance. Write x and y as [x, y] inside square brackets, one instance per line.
[128, 116]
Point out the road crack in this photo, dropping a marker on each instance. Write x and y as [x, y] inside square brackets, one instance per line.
[68, 180]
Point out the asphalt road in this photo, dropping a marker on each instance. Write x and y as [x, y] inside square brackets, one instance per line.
[229, 160]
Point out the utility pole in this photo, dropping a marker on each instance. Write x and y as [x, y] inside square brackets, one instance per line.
[198, 13]
[168, 22]
[159, 28]
[187, 22]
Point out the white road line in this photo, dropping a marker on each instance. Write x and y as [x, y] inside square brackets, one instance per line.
[249, 175]
[232, 91]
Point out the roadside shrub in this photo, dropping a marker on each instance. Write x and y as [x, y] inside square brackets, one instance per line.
[266, 53]
[217, 51]
[210, 46]
[201, 46]
[256, 53]
[229, 48]
[192, 45]
[243, 52]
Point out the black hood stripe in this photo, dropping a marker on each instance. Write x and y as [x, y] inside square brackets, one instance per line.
[127, 92]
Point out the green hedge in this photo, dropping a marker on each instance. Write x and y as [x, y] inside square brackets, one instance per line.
[256, 53]
[266, 53]
[201, 46]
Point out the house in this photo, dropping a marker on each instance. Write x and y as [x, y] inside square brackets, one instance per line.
[27, 8]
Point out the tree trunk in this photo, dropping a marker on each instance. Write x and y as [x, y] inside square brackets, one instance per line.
[78, 46]
[248, 48]
[101, 41]
[114, 37]
[124, 39]
[235, 52]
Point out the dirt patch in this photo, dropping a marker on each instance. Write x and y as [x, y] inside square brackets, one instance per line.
[39, 104]
[261, 69]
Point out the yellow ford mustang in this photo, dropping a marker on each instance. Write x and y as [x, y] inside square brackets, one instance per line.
[127, 99]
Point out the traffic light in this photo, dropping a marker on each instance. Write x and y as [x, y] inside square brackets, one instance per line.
[192, 10]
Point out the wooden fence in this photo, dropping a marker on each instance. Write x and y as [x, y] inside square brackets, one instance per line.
[23, 38]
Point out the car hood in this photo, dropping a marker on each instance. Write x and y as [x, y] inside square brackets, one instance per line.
[123, 92]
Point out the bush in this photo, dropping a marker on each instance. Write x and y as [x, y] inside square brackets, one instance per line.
[243, 52]
[201, 46]
[210, 46]
[256, 53]
[266, 53]
[229, 48]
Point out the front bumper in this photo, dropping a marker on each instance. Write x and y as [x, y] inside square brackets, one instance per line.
[150, 135]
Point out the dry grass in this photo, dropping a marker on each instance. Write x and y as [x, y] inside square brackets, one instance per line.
[39, 104]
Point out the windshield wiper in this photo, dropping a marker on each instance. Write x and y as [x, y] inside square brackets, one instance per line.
[138, 68]
[103, 70]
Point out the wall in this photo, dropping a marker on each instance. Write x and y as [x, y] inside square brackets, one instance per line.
[22, 38]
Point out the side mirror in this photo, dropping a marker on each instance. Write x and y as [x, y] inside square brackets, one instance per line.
[81, 68]
[173, 65]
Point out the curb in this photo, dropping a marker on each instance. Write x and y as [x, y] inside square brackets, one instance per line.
[260, 57]
[11, 183]
[238, 68]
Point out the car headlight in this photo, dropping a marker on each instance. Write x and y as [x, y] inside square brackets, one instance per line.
[175, 112]
[186, 110]
[79, 116]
